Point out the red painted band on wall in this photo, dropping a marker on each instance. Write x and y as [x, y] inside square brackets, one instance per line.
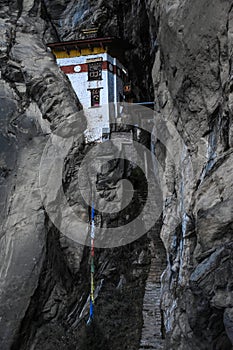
[70, 69]
[83, 68]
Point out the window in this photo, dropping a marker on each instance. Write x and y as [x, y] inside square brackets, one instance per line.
[95, 97]
[127, 89]
[95, 70]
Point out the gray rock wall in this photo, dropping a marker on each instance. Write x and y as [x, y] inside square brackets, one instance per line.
[182, 58]
[192, 78]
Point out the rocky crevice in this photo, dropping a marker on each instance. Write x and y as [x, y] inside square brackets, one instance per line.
[181, 55]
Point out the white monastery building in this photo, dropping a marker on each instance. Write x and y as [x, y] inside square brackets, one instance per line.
[93, 66]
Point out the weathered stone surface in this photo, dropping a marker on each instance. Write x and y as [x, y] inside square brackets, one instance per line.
[28, 73]
[192, 74]
[181, 55]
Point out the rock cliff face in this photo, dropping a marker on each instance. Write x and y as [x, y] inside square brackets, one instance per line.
[192, 76]
[181, 56]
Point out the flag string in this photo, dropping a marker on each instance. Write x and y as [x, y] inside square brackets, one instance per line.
[92, 293]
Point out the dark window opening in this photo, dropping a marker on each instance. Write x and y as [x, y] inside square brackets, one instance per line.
[95, 97]
[127, 89]
[95, 71]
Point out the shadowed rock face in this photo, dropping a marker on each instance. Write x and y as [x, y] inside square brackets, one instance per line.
[192, 76]
[182, 56]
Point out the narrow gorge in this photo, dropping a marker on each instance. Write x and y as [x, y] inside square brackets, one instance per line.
[171, 288]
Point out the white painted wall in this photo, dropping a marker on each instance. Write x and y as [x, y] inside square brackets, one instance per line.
[111, 86]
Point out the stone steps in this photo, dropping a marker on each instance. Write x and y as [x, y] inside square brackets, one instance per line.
[151, 331]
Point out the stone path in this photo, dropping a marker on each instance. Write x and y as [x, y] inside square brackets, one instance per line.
[151, 332]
